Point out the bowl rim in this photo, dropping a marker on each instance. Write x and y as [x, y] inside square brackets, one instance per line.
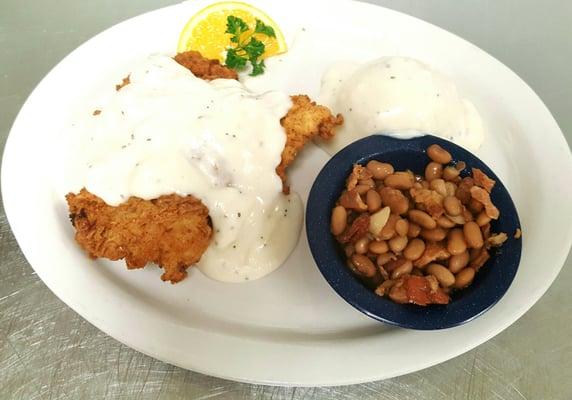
[325, 251]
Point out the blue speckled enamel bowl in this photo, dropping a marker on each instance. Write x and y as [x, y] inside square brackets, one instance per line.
[491, 282]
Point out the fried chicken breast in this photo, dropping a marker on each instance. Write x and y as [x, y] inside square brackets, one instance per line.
[171, 231]
[174, 231]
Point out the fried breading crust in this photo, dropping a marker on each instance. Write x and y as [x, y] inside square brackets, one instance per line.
[170, 231]
[304, 121]
[204, 68]
[124, 82]
[200, 66]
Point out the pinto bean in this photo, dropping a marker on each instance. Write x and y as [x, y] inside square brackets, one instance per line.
[422, 219]
[456, 243]
[378, 247]
[458, 262]
[384, 258]
[452, 205]
[473, 235]
[398, 243]
[405, 268]
[379, 170]
[388, 231]
[433, 171]
[399, 180]
[395, 200]
[434, 235]
[414, 249]
[464, 278]
[402, 227]
[444, 222]
[373, 200]
[450, 173]
[339, 220]
[362, 245]
[483, 219]
[363, 265]
[439, 154]
[413, 230]
[443, 275]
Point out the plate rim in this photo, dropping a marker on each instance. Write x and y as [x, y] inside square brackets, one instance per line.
[9, 206]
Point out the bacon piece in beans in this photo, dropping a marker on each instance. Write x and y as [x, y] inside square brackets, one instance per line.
[483, 197]
[419, 291]
[358, 173]
[463, 192]
[432, 201]
[482, 180]
[356, 230]
[351, 200]
[496, 240]
[433, 251]
[480, 259]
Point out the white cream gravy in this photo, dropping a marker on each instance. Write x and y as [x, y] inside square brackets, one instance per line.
[170, 132]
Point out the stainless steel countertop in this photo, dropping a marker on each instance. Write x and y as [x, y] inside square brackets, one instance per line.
[48, 352]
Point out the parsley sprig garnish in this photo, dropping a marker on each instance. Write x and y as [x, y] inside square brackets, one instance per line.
[246, 47]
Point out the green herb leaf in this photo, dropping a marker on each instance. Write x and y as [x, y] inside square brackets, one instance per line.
[257, 68]
[247, 48]
[235, 26]
[267, 30]
[234, 60]
[254, 49]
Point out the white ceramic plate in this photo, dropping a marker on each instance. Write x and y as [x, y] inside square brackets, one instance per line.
[289, 328]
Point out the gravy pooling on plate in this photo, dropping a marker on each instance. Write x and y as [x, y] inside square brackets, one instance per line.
[171, 132]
